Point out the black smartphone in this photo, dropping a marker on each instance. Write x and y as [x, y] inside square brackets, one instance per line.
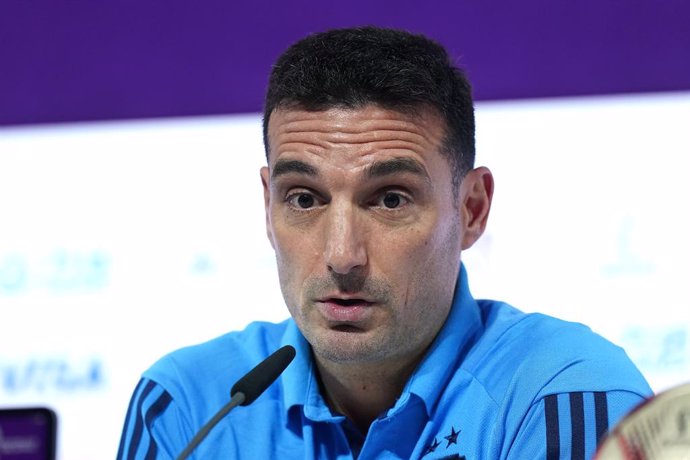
[28, 434]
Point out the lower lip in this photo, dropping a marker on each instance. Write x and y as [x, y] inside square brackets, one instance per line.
[345, 314]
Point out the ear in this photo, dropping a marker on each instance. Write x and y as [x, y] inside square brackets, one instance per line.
[476, 192]
[265, 178]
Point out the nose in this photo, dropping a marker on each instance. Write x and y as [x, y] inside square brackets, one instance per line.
[345, 248]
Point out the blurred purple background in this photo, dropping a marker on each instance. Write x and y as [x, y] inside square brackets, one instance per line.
[98, 60]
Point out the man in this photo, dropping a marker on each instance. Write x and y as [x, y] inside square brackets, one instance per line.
[371, 196]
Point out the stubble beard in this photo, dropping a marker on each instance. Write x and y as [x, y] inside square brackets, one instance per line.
[391, 337]
[348, 343]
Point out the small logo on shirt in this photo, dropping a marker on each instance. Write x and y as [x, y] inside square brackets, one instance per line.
[439, 447]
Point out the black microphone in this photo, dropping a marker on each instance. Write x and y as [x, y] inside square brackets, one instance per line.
[246, 390]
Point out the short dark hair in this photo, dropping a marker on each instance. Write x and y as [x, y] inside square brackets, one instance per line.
[394, 69]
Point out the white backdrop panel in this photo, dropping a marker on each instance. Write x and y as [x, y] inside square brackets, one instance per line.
[122, 241]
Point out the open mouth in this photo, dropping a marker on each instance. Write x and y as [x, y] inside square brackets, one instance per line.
[343, 313]
[349, 302]
[346, 328]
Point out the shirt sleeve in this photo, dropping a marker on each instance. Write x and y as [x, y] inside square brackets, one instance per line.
[570, 425]
[153, 427]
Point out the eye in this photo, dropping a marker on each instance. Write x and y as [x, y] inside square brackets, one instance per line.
[393, 200]
[301, 200]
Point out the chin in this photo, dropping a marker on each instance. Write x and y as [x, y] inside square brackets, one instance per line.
[351, 346]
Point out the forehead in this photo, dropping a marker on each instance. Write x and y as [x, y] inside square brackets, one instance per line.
[361, 133]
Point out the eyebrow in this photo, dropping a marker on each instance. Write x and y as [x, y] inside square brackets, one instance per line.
[292, 166]
[395, 166]
[375, 170]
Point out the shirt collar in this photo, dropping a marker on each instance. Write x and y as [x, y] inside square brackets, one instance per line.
[446, 352]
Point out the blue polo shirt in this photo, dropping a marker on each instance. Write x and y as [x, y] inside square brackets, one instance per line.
[496, 383]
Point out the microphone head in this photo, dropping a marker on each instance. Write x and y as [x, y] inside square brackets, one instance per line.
[263, 375]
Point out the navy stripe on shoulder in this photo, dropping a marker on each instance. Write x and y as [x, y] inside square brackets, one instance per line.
[601, 414]
[577, 423]
[553, 440]
[139, 424]
[154, 411]
[125, 429]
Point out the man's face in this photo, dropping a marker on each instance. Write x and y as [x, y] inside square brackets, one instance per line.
[366, 228]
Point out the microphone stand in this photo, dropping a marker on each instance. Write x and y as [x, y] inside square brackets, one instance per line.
[246, 390]
[236, 400]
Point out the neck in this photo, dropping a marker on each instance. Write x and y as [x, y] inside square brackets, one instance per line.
[362, 392]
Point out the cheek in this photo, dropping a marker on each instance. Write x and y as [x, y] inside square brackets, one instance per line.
[296, 257]
[284, 247]
[439, 239]
[433, 257]
[294, 247]
[288, 277]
